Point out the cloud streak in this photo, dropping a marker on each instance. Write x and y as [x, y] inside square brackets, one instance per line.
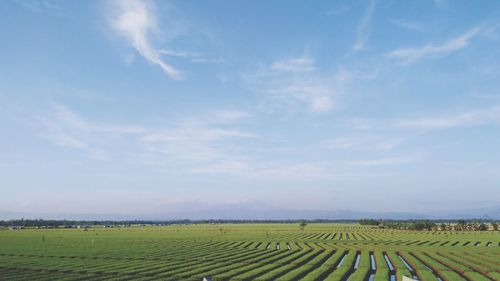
[381, 162]
[364, 27]
[364, 142]
[407, 25]
[191, 56]
[302, 64]
[135, 20]
[194, 142]
[296, 82]
[338, 11]
[463, 119]
[209, 144]
[65, 128]
[410, 55]
[317, 94]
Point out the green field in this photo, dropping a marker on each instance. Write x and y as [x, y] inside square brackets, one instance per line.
[248, 252]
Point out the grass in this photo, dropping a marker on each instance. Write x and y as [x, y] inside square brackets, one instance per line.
[240, 252]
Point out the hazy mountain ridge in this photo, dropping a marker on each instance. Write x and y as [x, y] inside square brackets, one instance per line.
[245, 213]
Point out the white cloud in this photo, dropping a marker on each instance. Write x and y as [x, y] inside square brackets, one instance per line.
[65, 128]
[209, 147]
[407, 25]
[181, 54]
[195, 142]
[314, 91]
[283, 171]
[466, 118]
[191, 56]
[293, 91]
[492, 31]
[410, 55]
[317, 94]
[463, 119]
[302, 64]
[290, 91]
[66, 140]
[364, 142]
[440, 4]
[338, 11]
[212, 145]
[364, 26]
[358, 123]
[135, 20]
[381, 162]
[231, 115]
[41, 6]
[205, 140]
[209, 144]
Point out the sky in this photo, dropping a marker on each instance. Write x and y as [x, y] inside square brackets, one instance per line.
[138, 107]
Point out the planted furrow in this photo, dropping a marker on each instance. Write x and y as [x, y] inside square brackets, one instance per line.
[326, 268]
[344, 268]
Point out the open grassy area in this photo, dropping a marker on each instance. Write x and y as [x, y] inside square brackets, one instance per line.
[247, 252]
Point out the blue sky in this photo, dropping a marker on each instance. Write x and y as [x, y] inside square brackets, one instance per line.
[139, 107]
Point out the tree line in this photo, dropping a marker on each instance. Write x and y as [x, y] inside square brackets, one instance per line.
[458, 225]
[452, 225]
[67, 223]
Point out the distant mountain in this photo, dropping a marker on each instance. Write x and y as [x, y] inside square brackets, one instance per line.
[263, 212]
[285, 214]
[480, 213]
[7, 215]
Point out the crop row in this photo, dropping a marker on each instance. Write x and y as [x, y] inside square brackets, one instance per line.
[308, 265]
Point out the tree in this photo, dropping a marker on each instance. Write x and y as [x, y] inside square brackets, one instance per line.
[302, 224]
[482, 227]
[369, 222]
[423, 225]
[461, 225]
[495, 226]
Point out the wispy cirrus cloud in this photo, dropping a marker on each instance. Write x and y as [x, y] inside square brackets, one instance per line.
[458, 119]
[318, 94]
[382, 161]
[231, 115]
[65, 128]
[294, 83]
[136, 20]
[282, 171]
[215, 148]
[210, 144]
[410, 55]
[301, 64]
[191, 56]
[440, 4]
[408, 25]
[461, 119]
[492, 31]
[364, 143]
[200, 144]
[338, 11]
[362, 31]
[41, 6]
[195, 142]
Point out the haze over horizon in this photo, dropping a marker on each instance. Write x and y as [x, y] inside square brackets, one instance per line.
[146, 107]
